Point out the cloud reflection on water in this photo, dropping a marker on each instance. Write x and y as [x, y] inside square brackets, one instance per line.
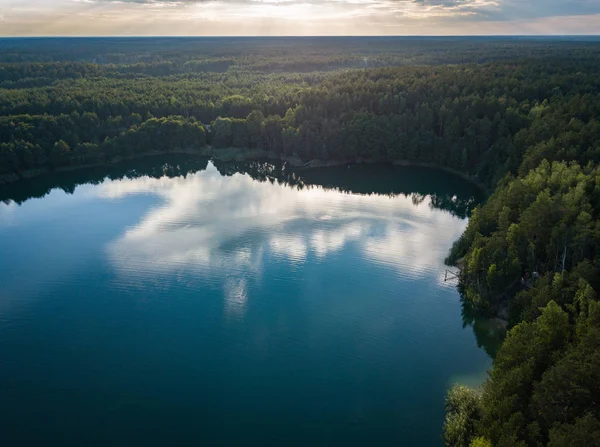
[221, 227]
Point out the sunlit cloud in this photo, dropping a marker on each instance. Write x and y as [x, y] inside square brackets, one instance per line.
[298, 17]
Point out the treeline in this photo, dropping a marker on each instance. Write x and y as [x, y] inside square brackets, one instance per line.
[67, 140]
[287, 53]
[482, 120]
[532, 250]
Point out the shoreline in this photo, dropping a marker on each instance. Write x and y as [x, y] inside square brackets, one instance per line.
[232, 155]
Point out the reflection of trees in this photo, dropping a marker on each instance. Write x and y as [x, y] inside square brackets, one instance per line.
[489, 332]
[155, 167]
[445, 191]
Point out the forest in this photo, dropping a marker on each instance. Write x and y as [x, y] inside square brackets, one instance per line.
[519, 117]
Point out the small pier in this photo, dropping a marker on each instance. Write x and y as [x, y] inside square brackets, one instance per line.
[450, 275]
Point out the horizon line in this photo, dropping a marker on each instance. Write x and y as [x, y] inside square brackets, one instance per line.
[289, 36]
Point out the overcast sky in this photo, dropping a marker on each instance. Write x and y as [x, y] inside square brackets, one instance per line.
[298, 17]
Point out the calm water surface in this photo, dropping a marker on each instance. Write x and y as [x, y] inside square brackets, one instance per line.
[224, 308]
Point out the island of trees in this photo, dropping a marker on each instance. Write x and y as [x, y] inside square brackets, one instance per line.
[518, 117]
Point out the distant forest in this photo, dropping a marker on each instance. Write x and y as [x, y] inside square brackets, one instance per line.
[474, 106]
[520, 117]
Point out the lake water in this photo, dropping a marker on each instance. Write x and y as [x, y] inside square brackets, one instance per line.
[182, 303]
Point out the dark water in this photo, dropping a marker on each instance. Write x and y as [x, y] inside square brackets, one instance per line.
[233, 306]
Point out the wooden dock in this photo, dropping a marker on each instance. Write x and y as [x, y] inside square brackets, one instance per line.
[450, 275]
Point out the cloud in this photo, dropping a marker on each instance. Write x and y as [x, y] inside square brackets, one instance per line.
[522, 10]
[144, 2]
[298, 17]
[481, 9]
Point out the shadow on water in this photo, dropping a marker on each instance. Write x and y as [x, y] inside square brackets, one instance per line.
[446, 191]
[489, 332]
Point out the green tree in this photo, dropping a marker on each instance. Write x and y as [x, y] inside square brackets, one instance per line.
[463, 412]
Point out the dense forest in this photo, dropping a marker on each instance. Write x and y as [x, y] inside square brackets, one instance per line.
[284, 101]
[519, 117]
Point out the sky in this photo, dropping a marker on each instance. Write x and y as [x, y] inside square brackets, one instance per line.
[297, 17]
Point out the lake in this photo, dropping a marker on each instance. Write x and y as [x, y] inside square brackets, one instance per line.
[179, 301]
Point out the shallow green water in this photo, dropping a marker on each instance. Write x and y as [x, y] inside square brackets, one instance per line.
[219, 307]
